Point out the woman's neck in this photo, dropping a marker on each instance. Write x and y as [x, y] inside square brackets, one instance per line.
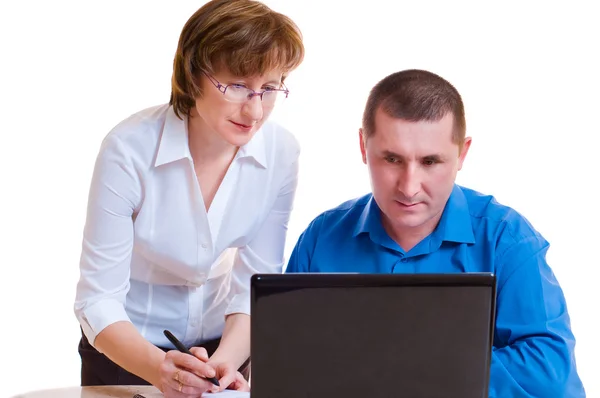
[206, 146]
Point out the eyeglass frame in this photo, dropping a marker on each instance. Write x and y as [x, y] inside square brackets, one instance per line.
[223, 89]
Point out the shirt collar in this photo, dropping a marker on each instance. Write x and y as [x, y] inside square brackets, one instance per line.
[454, 226]
[174, 145]
[369, 218]
[370, 222]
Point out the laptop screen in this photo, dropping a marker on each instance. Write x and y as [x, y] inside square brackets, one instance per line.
[318, 335]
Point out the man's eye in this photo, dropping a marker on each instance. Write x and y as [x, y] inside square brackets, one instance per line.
[391, 159]
[429, 162]
[269, 88]
[237, 86]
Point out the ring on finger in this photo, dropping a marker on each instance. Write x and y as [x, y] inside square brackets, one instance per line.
[176, 376]
[180, 386]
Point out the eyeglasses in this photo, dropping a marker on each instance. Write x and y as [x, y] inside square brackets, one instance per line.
[240, 93]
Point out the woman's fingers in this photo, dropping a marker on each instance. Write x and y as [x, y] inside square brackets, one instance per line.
[226, 378]
[200, 353]
[188, 383]
[191, 363]
[240, 383]
[184, 375]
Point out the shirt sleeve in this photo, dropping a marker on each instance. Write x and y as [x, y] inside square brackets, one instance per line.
[300, 259]
[533, 353]
[107, 240]
[265, 253]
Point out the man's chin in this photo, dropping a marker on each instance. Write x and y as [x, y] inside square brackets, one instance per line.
[411, 218]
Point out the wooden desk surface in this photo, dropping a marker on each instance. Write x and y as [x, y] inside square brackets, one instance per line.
[95, 392]
[116, 392]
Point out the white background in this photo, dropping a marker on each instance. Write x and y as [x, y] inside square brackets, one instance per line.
[528, 73]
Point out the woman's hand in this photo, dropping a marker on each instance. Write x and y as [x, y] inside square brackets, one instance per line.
[183, 375]
[229, 377]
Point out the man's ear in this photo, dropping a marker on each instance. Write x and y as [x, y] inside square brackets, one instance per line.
[464, 151]
[363, 149]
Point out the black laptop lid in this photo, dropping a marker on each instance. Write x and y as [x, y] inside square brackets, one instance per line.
[385, 335]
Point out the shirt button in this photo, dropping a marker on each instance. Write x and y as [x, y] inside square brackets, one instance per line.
[204, 245]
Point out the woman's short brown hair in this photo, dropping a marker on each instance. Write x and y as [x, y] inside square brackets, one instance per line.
[244, 36]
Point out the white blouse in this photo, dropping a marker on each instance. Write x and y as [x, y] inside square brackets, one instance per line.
[154, 256]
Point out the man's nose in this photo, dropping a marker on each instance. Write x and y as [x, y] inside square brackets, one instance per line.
[409, 183]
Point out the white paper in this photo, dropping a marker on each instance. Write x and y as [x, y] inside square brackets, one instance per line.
[152, 392]
[226, 394]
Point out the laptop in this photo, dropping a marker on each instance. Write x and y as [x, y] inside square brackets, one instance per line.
[365, 335]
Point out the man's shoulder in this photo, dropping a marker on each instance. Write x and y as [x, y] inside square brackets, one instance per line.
[342, 218]
[356, 204]
[486, 211]
[348, 209]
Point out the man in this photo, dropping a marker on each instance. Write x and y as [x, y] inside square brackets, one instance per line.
[417, 220]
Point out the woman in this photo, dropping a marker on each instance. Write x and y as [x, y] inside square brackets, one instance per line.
[187, 201]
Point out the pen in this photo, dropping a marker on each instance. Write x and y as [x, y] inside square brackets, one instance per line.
[183, 349]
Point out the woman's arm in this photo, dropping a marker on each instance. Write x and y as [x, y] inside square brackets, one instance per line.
[124, 345]
[173, 372]
[115, 195]
[235, 342]
[264, 254]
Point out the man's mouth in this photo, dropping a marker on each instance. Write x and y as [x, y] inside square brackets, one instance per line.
[407, 204]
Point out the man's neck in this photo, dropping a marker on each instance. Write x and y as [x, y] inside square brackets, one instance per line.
[409, 237]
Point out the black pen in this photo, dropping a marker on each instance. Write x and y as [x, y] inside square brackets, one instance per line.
[183, 349]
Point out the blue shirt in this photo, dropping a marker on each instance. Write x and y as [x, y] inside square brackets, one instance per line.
[533, 343]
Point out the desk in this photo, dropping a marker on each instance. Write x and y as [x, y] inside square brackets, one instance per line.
[94, 392]
[116, 392]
